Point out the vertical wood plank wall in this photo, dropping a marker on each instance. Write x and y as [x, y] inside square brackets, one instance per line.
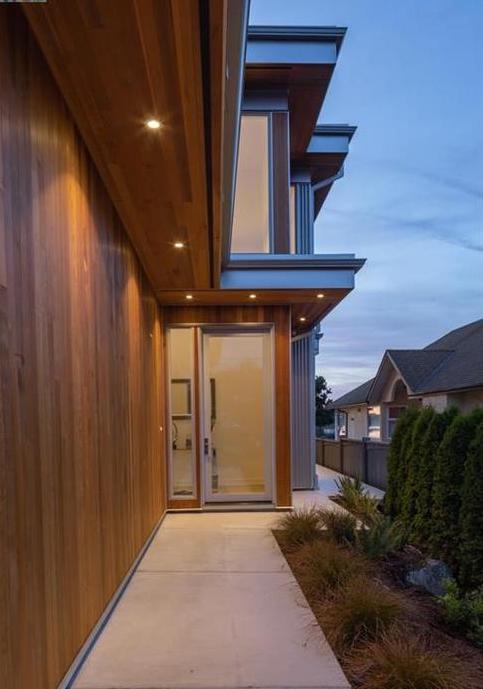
[280, 316]
[81, 452]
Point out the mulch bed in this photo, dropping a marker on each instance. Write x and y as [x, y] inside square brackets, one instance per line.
[424, 616]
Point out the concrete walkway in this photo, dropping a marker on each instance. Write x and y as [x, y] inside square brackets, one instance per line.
[212, 605]
[327, 486]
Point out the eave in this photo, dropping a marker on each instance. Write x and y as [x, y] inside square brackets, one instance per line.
[324, 158]
[380, 379]
[299, 61]
[276, 279]
[445, 390]
[120, 63]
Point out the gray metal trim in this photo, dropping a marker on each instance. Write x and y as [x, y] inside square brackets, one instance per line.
[328, 143]
[303, 411]
[335, 129]
[316, 279]
[300, 33]
[265, 101]
[294, 52]
[295, 261]
[300, 176]
[304, 215]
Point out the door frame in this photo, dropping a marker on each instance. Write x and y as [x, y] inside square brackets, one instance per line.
[269, 466]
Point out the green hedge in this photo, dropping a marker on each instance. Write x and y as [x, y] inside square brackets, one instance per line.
[449, 474]
[435, 486]
[471, 515]
[396, 468]
[421, 527]
[413, 462]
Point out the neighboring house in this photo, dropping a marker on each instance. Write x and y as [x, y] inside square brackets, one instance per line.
[159, 292]
[353, 417]
[447, 372]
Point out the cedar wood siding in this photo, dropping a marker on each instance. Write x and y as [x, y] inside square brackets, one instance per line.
[82, 467]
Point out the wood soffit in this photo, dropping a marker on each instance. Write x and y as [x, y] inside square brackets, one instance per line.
[119, 64]
[306, 86]
[304, 302]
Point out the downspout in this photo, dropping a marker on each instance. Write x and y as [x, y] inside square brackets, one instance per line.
[330, 180]
[315, 188]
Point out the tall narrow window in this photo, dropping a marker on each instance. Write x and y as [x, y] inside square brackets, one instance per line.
[251, 217]
[291, 199]
[181, 399]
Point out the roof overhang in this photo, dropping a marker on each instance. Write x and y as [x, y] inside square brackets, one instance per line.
[386, 367]
[121, 63]
[280, 279]
[344, 407]
[324, 158]
[298, 60]
[445, 391]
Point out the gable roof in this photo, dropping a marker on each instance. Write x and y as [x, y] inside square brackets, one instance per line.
[356, 396]
[453, 362]
[416, 365]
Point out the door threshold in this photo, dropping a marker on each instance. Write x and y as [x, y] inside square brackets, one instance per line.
[239, 507]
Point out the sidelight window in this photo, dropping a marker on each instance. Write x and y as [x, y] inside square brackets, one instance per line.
[252, 212]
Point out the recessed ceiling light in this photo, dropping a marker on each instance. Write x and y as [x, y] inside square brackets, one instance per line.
[302, 319]
[153, 124]
[189, 296]
[252, 296]
[320, 296]
[178, 245]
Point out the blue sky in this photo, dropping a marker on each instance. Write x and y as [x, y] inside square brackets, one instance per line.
[409, 75]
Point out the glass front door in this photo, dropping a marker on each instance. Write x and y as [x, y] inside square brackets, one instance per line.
[237, 415]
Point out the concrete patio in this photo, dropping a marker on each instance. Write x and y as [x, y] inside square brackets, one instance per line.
[214, 605]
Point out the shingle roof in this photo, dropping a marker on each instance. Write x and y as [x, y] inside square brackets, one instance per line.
[455, 337]
[356, 396]
[453, 362]
[416, 365]
[464, 366]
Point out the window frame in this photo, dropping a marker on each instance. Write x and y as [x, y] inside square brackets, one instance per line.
[271, 231]
[393, 419]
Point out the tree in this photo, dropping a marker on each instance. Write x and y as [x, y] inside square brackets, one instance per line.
[448, 485]
[421, 530]
[323, 416]
[410, 488]
[395, 463]
[471, 516]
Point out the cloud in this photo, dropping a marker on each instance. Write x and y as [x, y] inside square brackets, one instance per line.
[455, 184]
[433, 226]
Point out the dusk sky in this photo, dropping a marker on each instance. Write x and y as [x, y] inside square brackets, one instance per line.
[410, 76]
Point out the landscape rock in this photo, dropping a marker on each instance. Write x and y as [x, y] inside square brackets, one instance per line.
[431, 576]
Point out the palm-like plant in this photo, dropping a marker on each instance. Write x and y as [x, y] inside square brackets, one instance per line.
[356, 498]
[380, 538]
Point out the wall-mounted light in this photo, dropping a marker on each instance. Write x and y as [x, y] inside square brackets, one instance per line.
[179, 245]
[302, 319]
[252, 296]
[320, 295]
[189, 296]
[153, 124]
